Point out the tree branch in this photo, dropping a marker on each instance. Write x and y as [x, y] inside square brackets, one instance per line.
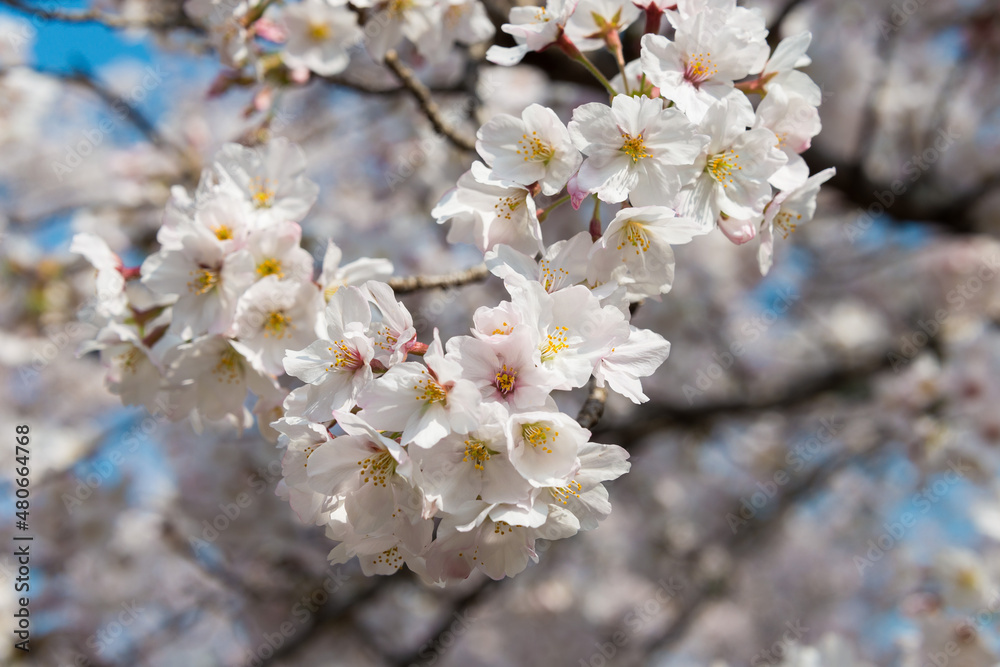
[407, 284]
[158, 22]
[593, 408]
[795, 393]
[427, 104]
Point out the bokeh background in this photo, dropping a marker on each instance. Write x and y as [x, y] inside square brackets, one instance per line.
[817, 466]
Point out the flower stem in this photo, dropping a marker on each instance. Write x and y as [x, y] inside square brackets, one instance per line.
[614, 43]
[544, 213]
[583, 60]
[595, 220]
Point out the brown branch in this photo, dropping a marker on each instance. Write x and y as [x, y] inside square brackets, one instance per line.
[157, 22]
[407, 284]
[426, 103]
[795, 393]
[593, 408]
[774, 30]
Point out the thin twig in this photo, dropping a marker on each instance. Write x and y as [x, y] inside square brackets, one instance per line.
[426, 103]
[407, 284]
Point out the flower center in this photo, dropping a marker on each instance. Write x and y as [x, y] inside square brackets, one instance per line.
[554, 343]
[345, 357]
[561, 494]
[377, 468]
[505, 331]
[634, 147]
[721, 166]
[549, 277]
[430, 391]
[129, 359]
[318, 31]
[699, 68]
[967, 579]
[537, 435]
[276, 324]
[506, 206]
[634, 233]
[396, 8]
[223, 232]
[262, 193]
[204, 280]
[506, 379]
[386, 338]
[502, 528]
[453, 15]
[783, 222]
[534, 149]
[477, 452]
[390, 557]
[270, 267]
[228, 367]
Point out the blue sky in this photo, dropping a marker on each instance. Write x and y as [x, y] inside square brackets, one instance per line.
[63, 47]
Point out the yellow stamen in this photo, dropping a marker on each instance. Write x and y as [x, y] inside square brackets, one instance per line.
[634, 233]
[537, 435]
[534, 149]
[270, 267]
[228, 368]
[377, 468]
[506, 379]
[319, 31]
[204, 280]
[634, 147]
[277, 324]
[477, 452]
[431, 392]
[555, 342]
[721, 166]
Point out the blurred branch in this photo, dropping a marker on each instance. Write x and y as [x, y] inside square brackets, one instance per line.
[870, 124]
[369, 89]
[407, 284]
[795, 393]
[741, 542]
[455, 610]
[774, 30]
[427, 104]
[155, 22]
[114, 101]
[593, 408]
[324, 617]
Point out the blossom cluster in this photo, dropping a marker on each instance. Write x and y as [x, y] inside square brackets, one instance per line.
[681, 144]
[380, 448]
[452, 455]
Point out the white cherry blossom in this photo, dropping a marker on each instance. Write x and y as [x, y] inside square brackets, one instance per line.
[486, 212]
[533, 148]
[635, 150]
